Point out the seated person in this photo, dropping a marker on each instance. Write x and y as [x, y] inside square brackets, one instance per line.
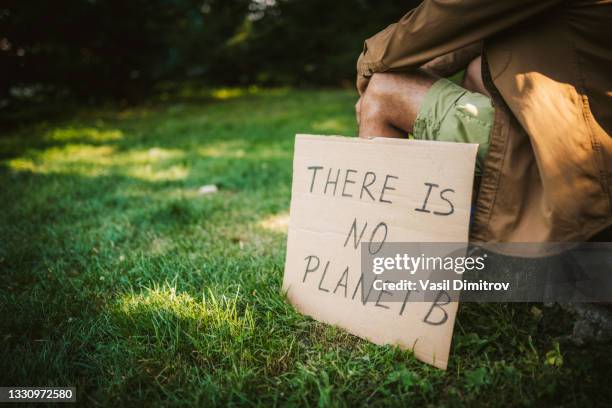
[536, 97]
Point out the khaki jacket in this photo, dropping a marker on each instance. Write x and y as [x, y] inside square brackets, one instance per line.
[548, 66]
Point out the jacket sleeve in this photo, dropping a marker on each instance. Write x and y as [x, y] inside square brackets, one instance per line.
[454, 61]
[438, 27]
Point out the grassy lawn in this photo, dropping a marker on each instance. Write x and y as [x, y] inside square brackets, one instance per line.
[118, 278]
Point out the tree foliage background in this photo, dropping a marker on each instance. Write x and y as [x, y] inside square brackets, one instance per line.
[119, 48]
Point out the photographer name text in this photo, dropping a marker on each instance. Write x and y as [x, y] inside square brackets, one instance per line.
[446, 284]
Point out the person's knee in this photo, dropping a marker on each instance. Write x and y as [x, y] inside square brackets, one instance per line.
[395, 98]
[375, 100]
[381, 84]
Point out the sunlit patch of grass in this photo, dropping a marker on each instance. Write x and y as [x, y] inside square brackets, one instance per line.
[83, 134]
[327, 126]
[77, 153]
[208, 312]
[70, 158]
[194, 91]
[277, 223]
[231, 148]
[22, 164]
[150, 173]
[227, 93]
[90, 160]
[236, 150]
[232, 93]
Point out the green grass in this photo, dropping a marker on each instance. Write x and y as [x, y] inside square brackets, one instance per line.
[118, 278]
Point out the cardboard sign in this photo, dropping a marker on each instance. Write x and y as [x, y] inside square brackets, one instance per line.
[391, 190]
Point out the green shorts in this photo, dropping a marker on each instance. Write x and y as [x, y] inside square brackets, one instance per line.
[451, 113]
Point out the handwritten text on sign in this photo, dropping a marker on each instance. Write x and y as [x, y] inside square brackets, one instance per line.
[347, 191]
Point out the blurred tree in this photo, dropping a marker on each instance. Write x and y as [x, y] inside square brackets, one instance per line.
[91, 47]
[100, 48]
[317, 41]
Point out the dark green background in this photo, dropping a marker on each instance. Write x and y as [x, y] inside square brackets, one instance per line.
[90, 49]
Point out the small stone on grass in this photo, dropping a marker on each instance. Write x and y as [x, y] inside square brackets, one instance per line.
[207, 189]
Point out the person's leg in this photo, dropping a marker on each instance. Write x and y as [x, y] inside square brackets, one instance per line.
[391, 103]
[429, 108]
